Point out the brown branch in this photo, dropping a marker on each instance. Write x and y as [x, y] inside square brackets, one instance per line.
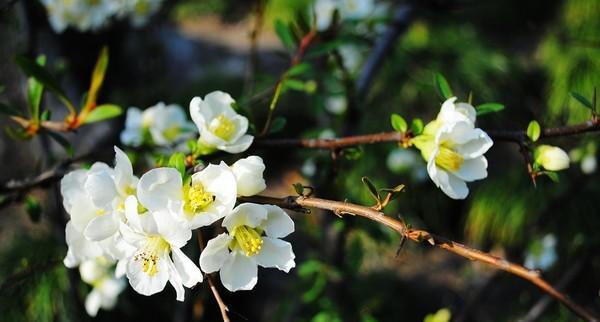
[222, 306]
[344, 208]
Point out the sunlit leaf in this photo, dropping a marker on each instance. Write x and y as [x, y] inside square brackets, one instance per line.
[398, 123]
[35, 90]
[294, 84]
[97, 78]
[488, 108]
[299, 69]
[177, 161]
[552, 175]
[533, 130]
[417, 126]
[442, 86]
[285, 35]
[103, 112]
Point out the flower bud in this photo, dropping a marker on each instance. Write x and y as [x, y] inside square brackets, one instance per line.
[551, 157]
[249, 175]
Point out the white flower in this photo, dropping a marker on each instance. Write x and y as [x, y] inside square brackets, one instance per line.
[83, 15]
[542, 253]
[157, 237]
[106, 288]
[249, 175]
[454, 155]
[336, 104]
[454, 112]
[324, 10]
[347, 9]
[219, 125]
[163, 124]
[551, 157]
[139, 11]
[589, 164]
[209, 196]
[253, 238]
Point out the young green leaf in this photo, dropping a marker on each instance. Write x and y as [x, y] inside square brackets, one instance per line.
[97, 78]
[552, 175]
[486, 108]
[299, 188]
[581, 99]
[277, 125]
[63, 142]
[353, 153]
[417, 126]
[45, 115]
[372, 189]
[177, 161]
[16, 133]
[34, 92]
[33, 208]
[533, 130]
[294, 84]
[284, 34]
[103, 112]
[38, 72]
[298, 69]
[441, 84]
[398, 123]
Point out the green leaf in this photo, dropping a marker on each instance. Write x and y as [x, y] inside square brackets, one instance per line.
[285, 35]
[8, 110]
[177, 161]
[417, 126]
[443, 315]
[34, 92]
[38, 72]
[353, 153]
[16, 133]
[45, 115]
[581, 99]
[441, 84]
[489, 108]
[33, 208]
[103, 112]
[533, 130]
[277, 125]
[395, 192]
[299, 188]
[398, 123]
[294, 84]
[371, 187]
[97, 78]
[63, 142]
[298, 69]
[552, 175]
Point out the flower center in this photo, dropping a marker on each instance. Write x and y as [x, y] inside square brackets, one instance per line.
[171, 133]
[223, 127]
[154, 248]
[248, 239]
[448, 159]
[197, 198]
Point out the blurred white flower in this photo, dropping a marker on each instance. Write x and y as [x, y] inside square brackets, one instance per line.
[551, 157]
[402, 160]
[336, 104]
[347, 9]
[157, 237]
[249, 175]
[139, 11]
[209, 196]
[542, 253]
[81, 14]
[99, 274]
[219, 125]
[161, 125]
[589, 164]
[253, 239]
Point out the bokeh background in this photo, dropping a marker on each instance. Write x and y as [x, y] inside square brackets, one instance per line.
[528, 55]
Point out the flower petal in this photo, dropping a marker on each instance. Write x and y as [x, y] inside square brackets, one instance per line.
[241, 145]
[175, 280]
[215, 253]
[124, 178]
[101, 227]
[450, 184]
[159, 187]
[276, 253]
[189, 272]
[473, 169]
[478, 144]
[93, 301]
[144, 283]
[248, 214]
[249, 175]
[278, 223]
[239, 272]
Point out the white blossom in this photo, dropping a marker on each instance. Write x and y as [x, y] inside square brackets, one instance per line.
[249, 175]
[252, 240]
[209, 196]
[551, 157]
[99, 274]
[219, 125]
[161, 125]
[81, 14]
[542, 254]
[157, 237]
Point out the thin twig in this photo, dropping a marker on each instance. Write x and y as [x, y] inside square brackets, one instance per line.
[344, 208]
[222, 306]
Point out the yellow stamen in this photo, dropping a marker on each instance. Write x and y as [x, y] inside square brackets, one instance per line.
[150, 255]
[196, 198]
[172, 132]
[448, 159]
[100, 212]
[248, 239]
[222, 127]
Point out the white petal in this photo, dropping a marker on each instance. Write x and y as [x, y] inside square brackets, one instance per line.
[189, 272]
[241, 145]
[80, 248]
[101, 227]
[473, 169]
[142, 282]
[241, 126]
[123, 171]
[276, 253]
[248, 214]
[93, 302]
[158, 187]
[220, 102]
[215, 253]
[175, 280]
[239, 272]
[278, 223]
[172, 230]
[450, 184]
[131, 213]
[478, 144]
[249, 175]
[101, 188]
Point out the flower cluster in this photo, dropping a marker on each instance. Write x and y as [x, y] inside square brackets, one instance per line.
[138, 226]
[454, 148]
[93, 15]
